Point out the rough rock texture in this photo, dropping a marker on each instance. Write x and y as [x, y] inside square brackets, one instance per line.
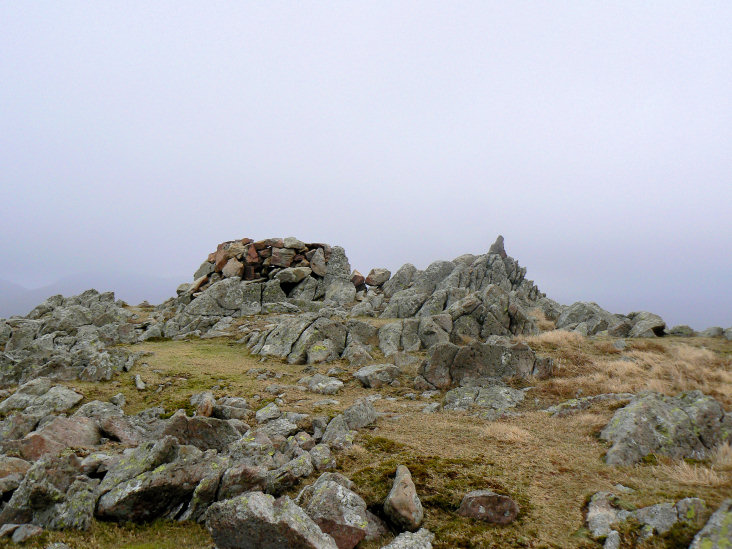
[689, 425]
[450, 365]
[605, 509]
[489, 507]
[67, 338]
[376, 375]
[402, 505]
[336, 509]
[717, 532]
[422, 539]
[258, 521]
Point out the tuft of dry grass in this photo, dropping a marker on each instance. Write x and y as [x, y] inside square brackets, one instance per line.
[722, 458]
[592, 366]
[542, 322]
[692, 474]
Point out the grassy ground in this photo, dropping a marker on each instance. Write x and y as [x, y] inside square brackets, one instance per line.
[550, 466]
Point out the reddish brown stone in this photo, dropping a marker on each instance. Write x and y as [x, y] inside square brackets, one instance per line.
[488, 506]
[60, 433]
[121, 428]
[275, 242]
[211, 257]
[246, 241]
[220, 260]
[11, 465]
[265, 253]
[260, 245]
[251, 255]
[250, 272]
[357, 279]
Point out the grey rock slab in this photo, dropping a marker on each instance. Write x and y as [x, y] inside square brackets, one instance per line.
[322, 458]
[376, 375]
[390, 336]
[400, 281]
[293, 275]
[269, 412]
[601, 514]
[360, 414]
[340, 291]
[257, 521]
[422, 539]
[658, 518]
[645, 324]
[158, 492]
[323, 385]
[717, 532]
[337, 434]
[672, 426]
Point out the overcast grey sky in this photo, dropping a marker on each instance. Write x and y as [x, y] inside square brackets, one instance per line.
[595, 136]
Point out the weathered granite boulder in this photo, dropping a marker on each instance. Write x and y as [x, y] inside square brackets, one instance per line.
[449, 365]
[200, 431]
[259, 521]
[54, 494]
[161, 491]
[378, 277]
[689, 425]
[336, 509]
[645, 324]
[376, 375]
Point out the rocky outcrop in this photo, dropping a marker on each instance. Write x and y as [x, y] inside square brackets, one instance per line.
[68, 338]
[605, 511]
[450, 365]
[590, 319]
[689, 425]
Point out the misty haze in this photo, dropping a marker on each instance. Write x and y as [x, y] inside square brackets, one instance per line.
[365, 275]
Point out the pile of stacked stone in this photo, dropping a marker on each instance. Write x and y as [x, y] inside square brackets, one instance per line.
[251, 260]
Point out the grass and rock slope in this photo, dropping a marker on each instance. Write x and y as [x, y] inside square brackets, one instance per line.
[263, 384]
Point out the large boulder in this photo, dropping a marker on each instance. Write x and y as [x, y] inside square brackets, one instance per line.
[593, 319]
[645, 324]
[689, 425]
[336, 509]
[376, 375]
[54, 494]
[202, 432]
[259, 521]
[450, 365]
[162, 491]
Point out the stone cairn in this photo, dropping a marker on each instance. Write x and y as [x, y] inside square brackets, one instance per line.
[261, 260]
